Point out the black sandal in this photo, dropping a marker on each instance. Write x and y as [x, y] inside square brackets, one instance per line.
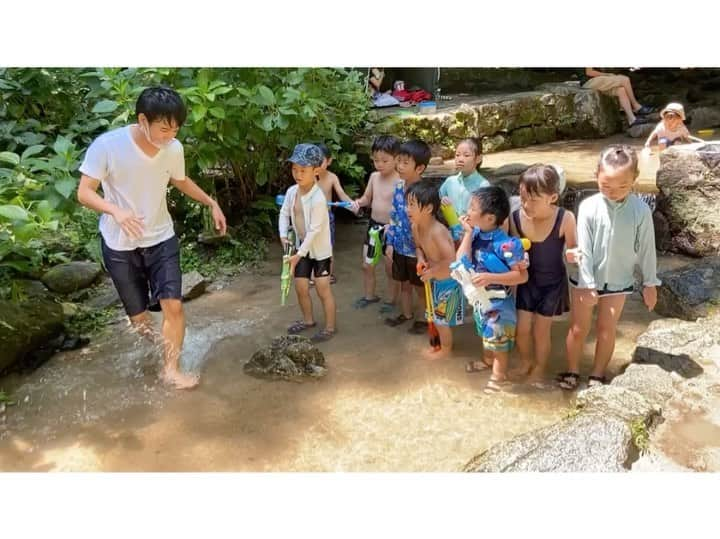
[394, 322]
[364, 302]
[568, 380]
[595, 381]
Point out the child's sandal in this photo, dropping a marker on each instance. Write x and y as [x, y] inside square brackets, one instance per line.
[596, 381]
[364, 302]
[394, 322]
[568, 380]
[299, 326]
[494, 387]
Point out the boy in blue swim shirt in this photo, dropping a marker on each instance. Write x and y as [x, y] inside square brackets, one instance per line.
[498, 260]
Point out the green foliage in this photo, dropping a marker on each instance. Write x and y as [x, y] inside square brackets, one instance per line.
[228, 257]
[5, 398]
[242, 125]
[90, 321]
[640, 435]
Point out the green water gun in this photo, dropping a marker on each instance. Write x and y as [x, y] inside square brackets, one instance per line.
[453, 221]
[285, 277]
[374, 247]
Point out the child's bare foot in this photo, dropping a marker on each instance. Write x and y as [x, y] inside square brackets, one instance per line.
[179, 380]
[432, 354]
[523, 369]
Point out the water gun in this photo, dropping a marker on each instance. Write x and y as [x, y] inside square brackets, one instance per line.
[279, 199]
[451, 217]
[285, 277]
[374, 248]
[478, 296]
[510, 249]
[433, 334]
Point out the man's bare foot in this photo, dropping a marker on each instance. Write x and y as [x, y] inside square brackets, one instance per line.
[179, 380]
[431, 354]
[523, 369]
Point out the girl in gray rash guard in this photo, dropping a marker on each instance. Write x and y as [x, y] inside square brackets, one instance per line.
[615, 232]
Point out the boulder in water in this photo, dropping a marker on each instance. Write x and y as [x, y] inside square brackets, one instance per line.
[71, 276]
[690, 292]
[26, 327]
[289, 357]
[689, 184]
[193, 285]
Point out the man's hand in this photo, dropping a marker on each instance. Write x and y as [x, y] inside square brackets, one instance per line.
[129, 222]
[649, 295]
[219, 218]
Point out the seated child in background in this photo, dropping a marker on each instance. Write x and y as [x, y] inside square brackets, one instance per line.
[413, 158]
[329, 183]
[551, 230]
[379, 196]
[671, 129]
[435, 253]
[615, 233]
[498, 259]
[305, 209]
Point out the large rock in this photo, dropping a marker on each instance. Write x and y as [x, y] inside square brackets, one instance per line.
[587, 442]
[679, 347]
[704, 117]
[650, 382]
[641, 130]
[27, 326]
[193, 285]
[72, 276]
[691, 292]
[689, 184]
[289, 357]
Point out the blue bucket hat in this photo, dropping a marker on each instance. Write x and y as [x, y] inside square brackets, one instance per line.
[307, 155]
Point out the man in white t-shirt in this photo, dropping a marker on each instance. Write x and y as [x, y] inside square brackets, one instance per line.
[134, 165]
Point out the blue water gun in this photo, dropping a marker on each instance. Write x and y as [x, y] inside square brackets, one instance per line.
[279, 199]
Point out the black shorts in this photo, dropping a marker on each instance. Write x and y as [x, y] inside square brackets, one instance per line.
[551, 300]
[146, 275]
[605, 291]
[372, 223]
[307, 266]
[404, 268]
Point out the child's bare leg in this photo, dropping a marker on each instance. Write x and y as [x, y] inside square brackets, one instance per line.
[368, 276]
[610, 309]
[393, 286]
[627, 86]
[173, 332]
[523, 338]
[542, 344]
[580, 320]
[420, 305]
[499, 361]
[322, 286]
[302, 289]
[625, 104]
[446, 344]
[406, 299]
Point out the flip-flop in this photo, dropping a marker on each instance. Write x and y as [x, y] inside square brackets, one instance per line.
[394, 322]
[472, 366]
[387, 307]
[299, 326]
[418, 328]
[543, 385]
[364, 302]
[568, 380]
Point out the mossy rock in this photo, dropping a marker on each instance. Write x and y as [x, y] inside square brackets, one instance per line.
[26, 326]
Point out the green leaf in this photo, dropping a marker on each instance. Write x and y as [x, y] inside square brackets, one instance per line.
[44, 210]
[105, 106]
[10, 157]
[267, 124]
[66, 186]
[198, 113]
[218, 112]
[62, 145]
[32, 150]
[14, 213]
[27, 232]
[266, 96]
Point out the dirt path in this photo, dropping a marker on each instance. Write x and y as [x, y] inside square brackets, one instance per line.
[380, 408]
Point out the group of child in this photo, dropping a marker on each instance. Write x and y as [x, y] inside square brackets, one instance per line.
[525, 288]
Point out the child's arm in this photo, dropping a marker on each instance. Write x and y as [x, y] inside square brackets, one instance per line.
[284, 220]
[444, 193]
[647, 258]
[652, 136]
[366, 199]
[586, 276]
[517, 275]
[342, 195]
[465, 247]
[445, 248]
[568, 230]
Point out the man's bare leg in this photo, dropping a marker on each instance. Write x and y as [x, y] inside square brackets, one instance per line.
[173, 332]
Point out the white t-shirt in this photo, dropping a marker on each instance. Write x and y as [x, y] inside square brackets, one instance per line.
[135, 181]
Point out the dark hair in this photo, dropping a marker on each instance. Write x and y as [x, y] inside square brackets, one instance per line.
[494, 200]
[541, 179]
[161, 103]
[387, 144]
[418, 150]
[427, 193]
[324, 149]
[618, 156]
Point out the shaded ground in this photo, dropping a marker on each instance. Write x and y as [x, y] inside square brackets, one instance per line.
[380, 408]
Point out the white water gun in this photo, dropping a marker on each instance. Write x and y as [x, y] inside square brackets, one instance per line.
[478, 296]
